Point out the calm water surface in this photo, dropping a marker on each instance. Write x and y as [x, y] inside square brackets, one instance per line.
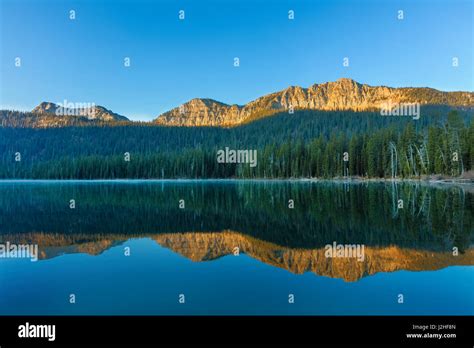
[191, 250]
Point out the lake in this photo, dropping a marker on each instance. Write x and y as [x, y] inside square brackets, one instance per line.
[237, 248]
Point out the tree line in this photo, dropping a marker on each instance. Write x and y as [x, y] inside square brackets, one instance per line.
[306, 145]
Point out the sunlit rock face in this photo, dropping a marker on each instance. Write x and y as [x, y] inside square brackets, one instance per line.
[343, 94]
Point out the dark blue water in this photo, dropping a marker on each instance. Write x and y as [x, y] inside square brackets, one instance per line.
[190, 252]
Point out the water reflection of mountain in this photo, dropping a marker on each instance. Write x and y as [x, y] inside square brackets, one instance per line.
[431, 218]
[208, 246]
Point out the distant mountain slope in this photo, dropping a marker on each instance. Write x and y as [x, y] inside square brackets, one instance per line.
[344, 94]
[96, 112]
[50, 115]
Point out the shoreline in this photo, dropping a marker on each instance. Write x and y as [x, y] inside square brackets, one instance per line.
[451, 181]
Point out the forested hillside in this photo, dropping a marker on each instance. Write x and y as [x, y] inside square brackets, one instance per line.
[19, 119]
[304, 144]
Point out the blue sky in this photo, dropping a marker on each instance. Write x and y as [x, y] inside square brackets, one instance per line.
[174, 60]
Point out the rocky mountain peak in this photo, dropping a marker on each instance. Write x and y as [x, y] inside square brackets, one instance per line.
[45, 107]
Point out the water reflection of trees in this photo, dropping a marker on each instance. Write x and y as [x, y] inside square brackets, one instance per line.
[431, 217]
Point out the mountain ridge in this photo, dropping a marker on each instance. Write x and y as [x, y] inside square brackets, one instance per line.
[343, 94]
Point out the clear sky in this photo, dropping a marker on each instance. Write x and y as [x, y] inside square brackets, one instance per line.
[175, 60]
